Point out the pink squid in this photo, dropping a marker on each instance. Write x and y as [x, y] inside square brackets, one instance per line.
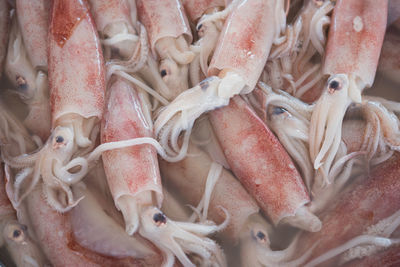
[126, 46]
[33, 20]
[352, 52]
[169, 36]
[262, 165]
[238, 60]
[77, 85]
[26, 64]
[134, 180]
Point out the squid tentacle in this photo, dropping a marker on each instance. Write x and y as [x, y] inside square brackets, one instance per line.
[172, 237]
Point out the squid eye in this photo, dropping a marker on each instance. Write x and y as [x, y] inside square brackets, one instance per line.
[334, 85]
[278, 110]
[199, 27]
[21, 83]
[59, 139]
[15, 232]
[163, 73]
[159, 218]
[261, 237]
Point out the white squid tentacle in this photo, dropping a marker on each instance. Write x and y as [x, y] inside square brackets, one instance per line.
[326, 121]
[171, 236]
[189, 105]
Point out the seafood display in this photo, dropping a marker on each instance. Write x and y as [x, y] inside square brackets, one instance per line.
[199, 133]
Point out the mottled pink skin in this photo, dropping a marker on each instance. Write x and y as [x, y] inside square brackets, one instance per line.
[134, 169]
[33, 18]
[258, 160]
[197, 8]
[165, 18]
[365, 203]
[245, 41]
[76, 67]
[4, 30]
[189, 177]
[387, 258]
[106, 12]
[55, 236]
[355, 52]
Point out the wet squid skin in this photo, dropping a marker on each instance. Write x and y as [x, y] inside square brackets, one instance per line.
[145, 73]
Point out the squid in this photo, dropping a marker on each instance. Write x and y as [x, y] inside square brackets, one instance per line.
[381, 137]
[77, 85]
[352, 52]
[126, 47]
[263, 166]
[238, 60]
[288, 66]
[169, 37]
[26, 63]
[362, 138]
[88, 235]
[209, 17]
[135, 183]
[33, 23]
[289, 118]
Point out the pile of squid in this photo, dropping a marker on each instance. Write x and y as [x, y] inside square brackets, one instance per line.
[199, 132]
